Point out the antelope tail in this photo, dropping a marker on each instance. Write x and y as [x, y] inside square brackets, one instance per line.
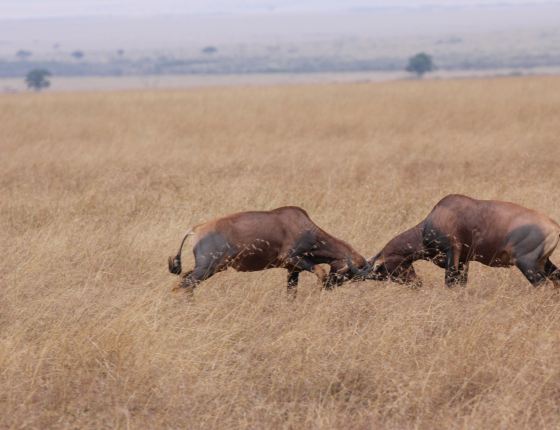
[175, 262]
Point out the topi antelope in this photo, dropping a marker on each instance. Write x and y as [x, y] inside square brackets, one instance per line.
[460, 229]
[251, 241]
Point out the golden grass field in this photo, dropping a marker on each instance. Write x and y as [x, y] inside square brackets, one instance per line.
[97, 190]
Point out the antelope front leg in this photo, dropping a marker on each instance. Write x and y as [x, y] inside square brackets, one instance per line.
[552, 272]
[293, 278]
[332, 280]
[532, 272]
[453, 274]
[320, 273]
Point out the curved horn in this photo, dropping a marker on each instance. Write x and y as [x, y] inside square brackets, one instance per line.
[175, 263]
[374, 258]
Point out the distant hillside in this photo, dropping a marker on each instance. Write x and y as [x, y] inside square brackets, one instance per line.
[363, 38]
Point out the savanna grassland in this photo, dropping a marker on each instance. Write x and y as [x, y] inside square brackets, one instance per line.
[96, 190]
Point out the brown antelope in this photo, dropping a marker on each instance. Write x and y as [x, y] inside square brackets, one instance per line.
[460, 229]
[251, 241]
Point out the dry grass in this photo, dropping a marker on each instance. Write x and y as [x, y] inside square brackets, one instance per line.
[97, 189]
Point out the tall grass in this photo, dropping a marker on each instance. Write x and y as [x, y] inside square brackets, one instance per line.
[96, 191]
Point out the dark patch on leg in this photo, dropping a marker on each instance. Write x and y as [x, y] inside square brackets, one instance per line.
[293, 278]
[526, 233]
[463, 274]
[300, 263]
[452, 277]
[213, 250]
[295, 266]
[552, 272]
[188, 280]
[527, 243]
[452, 273]
[305, 243]
[436, 245]
[531, 271]
[409, 277]
[525, 240]
[440, 251]
[456, 275]
[332, 280]
[211, 254]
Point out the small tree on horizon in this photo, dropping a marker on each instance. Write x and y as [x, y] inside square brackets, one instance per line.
[78, 55]
[209, 50]
[37, 80]
[420, 64]
[23, 54]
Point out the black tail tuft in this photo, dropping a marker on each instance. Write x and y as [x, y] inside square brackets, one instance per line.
[175, 264]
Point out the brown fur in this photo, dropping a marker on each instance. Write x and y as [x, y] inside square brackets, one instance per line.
[460, 229]
[251, 241]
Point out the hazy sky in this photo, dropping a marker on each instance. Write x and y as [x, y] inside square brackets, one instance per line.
[10, 9]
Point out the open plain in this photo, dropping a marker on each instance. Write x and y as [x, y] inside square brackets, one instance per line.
[96, 190]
